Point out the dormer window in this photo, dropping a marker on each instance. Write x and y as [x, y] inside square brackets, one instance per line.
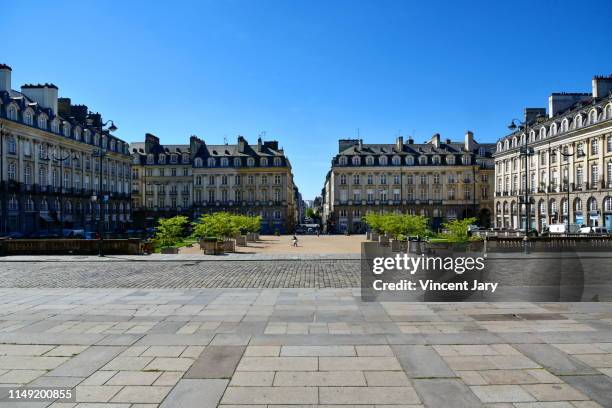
[55, 126]
[450, 159]
[42, 122]
[369, 161]
[356, 160]
[277, 161]
[435, 160]
[482, 151]
[466, 159]
[410, 160]
[237, 162]
[112, 145]
[12, 113]
[161, 159]
[593, 117]
[224, 162]
[396, 160]
[342, 161]
[423, 160]
[382, 160]
[28, 118]
[250, 162]
[185, 158]
[67, 130]
[173, 158]
[264, 162]
[211, 162]
[198, 162]
[150, 159]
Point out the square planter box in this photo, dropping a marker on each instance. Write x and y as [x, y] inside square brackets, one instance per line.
[399, 246]
[374, 236]
[169, 250]
[241, 240]
[250, 236]
[383, 240]
[229, 245]
[211, 246]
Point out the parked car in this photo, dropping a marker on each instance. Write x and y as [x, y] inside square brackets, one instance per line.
[91, 235]
[593, 230]
[562, 228]
[73, 233]
[14, 235]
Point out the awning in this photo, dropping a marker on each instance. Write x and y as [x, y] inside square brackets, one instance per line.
[46, 217]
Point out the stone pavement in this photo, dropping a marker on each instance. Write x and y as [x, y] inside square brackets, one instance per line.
[301, 347]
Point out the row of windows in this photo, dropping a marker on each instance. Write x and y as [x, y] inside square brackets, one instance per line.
[558, 127]
[451, 213]
[70, 179]
[592, 205]
[503, 184]
[409, 160]
[411, 194]
[410, 179]
[238, 196]
[43, 205]
[65, 128]
[593, 145]
[65, 158]
[236, 162]
[238, 180]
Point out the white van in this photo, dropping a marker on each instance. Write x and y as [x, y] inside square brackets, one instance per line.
[562, 228]
[593, 230]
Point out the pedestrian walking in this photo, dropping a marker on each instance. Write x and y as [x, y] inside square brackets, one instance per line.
[295, 241]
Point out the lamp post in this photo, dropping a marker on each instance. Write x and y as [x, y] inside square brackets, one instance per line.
[578, 153]
[61, 159]
[526, 152]
[100, 194]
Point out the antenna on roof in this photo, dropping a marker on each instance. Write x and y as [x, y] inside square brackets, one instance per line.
[225, 140]
[262, 134]
[358, 134]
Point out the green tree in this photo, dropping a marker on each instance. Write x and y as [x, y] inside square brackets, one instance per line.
[400, 226]
[457, 230]
[374, 221]
[311, 213]
[219, 225]
[169, 231]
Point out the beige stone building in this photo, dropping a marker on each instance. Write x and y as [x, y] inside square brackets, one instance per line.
[199, 178]
[440, 179]
[568, 172]
[50, 156]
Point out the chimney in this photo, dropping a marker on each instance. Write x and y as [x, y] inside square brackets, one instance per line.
[63, 108]
[5, 77]
[531, 114]
[344, 144]
[560, 101]
[410, 140]
[241, 144]
[79, 112]
[259, 144]
[360, 143]
[435, 140]
[399, 143]
[194, 145]
[150, 142]
[448, 141]
[469, 141]
[602, 86]
[43, 94]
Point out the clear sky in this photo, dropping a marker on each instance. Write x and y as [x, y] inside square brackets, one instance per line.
[308, 72]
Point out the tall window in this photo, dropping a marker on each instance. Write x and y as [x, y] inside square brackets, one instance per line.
[579, 176]
[594, 174]
[27, 175]
[12, 145]
[594, 146]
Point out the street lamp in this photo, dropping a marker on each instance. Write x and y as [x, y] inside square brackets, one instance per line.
[101, 153]
[526, 152]
[61, 159]
[578, 153]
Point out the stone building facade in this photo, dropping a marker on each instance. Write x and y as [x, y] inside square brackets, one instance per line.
[440, 179]
[161, 180]
[199, 178]
[51, 153]
[569, 163]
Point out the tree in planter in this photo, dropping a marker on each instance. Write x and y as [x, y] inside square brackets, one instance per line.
[457, 230]
[400, 226]
[246, 223]
[375, 222]
[219, 225]
[169, 231]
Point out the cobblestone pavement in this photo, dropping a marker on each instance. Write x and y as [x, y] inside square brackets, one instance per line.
[237, 348]
[246, 272]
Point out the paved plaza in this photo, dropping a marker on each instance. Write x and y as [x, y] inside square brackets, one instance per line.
[284, 331]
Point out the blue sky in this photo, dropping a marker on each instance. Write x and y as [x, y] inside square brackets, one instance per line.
[308, 72]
